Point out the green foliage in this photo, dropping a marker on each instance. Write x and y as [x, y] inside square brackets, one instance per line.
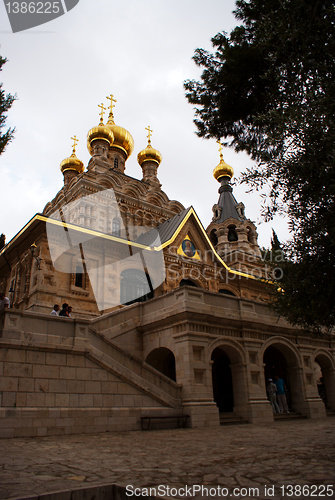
[5, 103]
[268, 89]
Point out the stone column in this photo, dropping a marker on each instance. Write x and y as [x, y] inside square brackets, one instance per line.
[195, 375]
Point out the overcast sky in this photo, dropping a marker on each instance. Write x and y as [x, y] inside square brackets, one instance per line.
[140, 51]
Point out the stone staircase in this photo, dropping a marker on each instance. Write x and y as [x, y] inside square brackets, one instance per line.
[133, 370]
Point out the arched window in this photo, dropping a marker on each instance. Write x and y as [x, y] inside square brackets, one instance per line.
[232, 234]
[135, 286]
[227, 292]
[116, 227]
[163, 360]
[213, 238]
[185, 282]
[116, 162]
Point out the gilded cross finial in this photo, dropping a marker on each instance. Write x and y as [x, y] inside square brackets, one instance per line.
[75, 142]
[111, 106]
[220, 150]
[103, 109]
[149, 133]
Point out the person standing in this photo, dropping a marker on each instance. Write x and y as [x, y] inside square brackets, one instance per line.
[271, 391]
[281, 395]
[4, 302]
[64, 311]
[55, 311]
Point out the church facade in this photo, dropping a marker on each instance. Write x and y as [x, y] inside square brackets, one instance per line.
[170, 320]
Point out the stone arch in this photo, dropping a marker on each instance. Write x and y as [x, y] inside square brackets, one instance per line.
[163, 360]
[193, 274]
[176, 207]
[232, 233]
[282, 359]
[228, 291]
[135, 188]
[158, 198]
[113, 177]
[213, 237]
[130, 192]
[154, 201]
[187, 282]
[229, 379]
[325, 382]
[135, 286]
[105, 181]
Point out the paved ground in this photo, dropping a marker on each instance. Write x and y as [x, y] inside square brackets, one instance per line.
[247, 457]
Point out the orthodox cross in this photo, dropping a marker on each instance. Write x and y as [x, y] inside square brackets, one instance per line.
[112, 105]
[103, 109]
[220, 149]
[75, 142]
[149, 133]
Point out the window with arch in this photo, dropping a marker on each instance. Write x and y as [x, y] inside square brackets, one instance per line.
[186, 282]
[116, 162]
[227, 292]
[232, 233]
[116, 227]
[213, 237]
[135, 286]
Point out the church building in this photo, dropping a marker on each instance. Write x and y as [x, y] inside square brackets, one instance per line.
[170, 322]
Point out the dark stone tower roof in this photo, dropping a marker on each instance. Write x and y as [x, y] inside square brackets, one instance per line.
[227, 206]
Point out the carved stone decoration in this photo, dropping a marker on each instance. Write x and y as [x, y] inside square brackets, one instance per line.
[216, 212]
[240, 208]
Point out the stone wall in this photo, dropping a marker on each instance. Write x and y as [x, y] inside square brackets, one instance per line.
[67, 375]
[54, 387]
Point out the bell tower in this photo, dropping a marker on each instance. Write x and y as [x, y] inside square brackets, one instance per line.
[232, 234]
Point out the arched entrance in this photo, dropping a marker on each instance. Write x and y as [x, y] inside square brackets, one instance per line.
[163, 360]
[325, 379]
[222, 381]
[229, 380]
[281, 361]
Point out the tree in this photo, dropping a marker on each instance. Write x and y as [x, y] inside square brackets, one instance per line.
[268, 89]
[5, 103]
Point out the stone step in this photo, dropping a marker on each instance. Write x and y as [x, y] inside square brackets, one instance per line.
[231, 419]
[293, 415]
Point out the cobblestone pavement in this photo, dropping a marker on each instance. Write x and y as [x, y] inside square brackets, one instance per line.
[249, 458]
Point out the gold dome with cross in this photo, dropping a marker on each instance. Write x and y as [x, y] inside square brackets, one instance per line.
[72, 162]
[100, 132]
[222, 169]
[122, 138]
[149, 153]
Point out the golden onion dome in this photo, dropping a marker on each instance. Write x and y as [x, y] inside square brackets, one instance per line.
[100, 132]
[72, 163]
[149, 154]
[222, 169]
[122, 138]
